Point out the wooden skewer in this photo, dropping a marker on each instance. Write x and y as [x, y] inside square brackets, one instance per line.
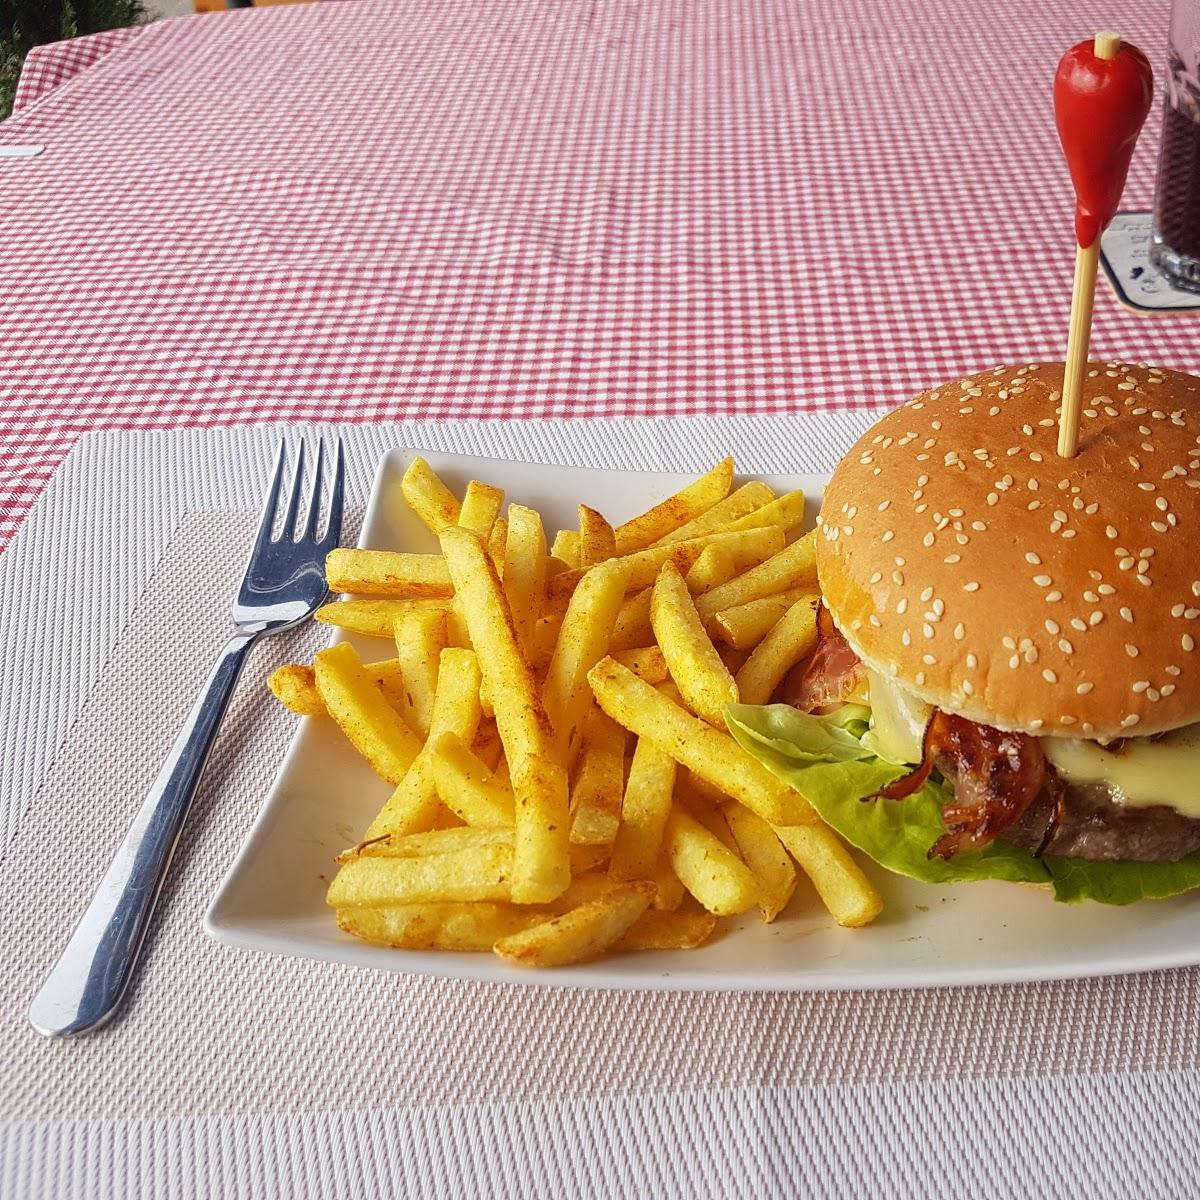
[1083, 295]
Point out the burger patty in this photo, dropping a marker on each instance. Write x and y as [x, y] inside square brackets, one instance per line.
[1093, 825]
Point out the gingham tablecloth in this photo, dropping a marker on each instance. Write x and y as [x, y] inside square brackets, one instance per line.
[398, 209]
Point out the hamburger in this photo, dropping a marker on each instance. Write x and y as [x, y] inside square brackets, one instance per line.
[1006, 681]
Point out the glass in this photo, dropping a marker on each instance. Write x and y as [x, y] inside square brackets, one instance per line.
[1175, 247]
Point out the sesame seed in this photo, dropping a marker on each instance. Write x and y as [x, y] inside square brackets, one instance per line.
[1177, 610]
[1095, 618]
[1110, 531]
[928, 659]
[1091, 597]
[1106, 589]
[1132, 719]
[1043, 580]
[884, 506]
[1031, 654]
[1126, 614]
[1084, 688]
[1188, 642]
[1191, 614]
[1126, 563]
[1032, 559]
[1051, 626]
[927, 629]
[920, 678]
[1008, 643]
[873, 621]
[1049, 676]
[1167, 689]
[906, 638]
[902, 605]
[1065, 646]
[927, 594]
[1131, 650]
[927, 540]
[1076, 623]
[887, 536]
[959, 632]
[1036, 723]
[1144, 580]
[1015, 661]
[1053, 597]
[971, 586]
[1141, 686]
[972, 661]
[952, 559]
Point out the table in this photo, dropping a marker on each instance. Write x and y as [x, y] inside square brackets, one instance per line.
[424, 213]
[403, 208]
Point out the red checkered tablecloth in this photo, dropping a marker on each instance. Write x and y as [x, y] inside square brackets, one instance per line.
[417, 208]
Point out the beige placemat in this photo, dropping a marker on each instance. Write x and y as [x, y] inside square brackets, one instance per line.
[212, 1030]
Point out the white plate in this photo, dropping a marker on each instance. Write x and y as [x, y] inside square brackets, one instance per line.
[324, 797]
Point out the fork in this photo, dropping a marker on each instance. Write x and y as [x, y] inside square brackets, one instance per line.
[284, 584]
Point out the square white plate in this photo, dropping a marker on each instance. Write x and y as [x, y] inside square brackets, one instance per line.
[324, 797]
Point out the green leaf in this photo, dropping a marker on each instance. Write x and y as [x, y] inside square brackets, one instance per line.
[897, 834]
[1122, 882]
[815, 756]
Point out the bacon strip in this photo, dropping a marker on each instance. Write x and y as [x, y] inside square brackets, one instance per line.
[995, 775]
[829, 675]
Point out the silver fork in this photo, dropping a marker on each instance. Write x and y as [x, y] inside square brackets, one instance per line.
[284, 584]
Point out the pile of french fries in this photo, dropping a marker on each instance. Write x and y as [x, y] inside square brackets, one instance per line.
[552, 724]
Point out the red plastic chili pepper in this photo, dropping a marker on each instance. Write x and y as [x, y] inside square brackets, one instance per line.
[1100, 105]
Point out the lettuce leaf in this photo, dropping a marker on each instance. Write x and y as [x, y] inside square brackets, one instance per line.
[825, 761]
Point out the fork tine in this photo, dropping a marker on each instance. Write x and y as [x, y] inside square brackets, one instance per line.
[313, 515]
[337, 495]
[270, 506]
[288, 530]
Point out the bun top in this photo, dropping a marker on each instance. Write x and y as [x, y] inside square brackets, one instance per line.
[958, 553]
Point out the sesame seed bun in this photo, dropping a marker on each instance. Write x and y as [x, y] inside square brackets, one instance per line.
[957, 552]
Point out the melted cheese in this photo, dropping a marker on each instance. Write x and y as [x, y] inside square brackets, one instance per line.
[1144, 772]
[897, 721]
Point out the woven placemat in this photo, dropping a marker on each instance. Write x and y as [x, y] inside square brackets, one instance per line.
[213, 1030]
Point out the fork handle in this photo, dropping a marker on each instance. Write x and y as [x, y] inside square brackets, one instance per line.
[85, 987]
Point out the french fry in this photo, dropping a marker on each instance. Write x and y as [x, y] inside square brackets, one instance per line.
[476, 873]
[695, 666]
[413, 806]
[295, 685]
[739, 503]
[434, 841]
[644, 810]
[643, 566]
[632, 627]
[597, 542]
[713, 756]
[566, 547]
[791, 638]
[646, 661]
[486, 744]
[581, 933]
[698, 497]
[480, 508]
[848, 894]
[794, 566]
[596, 796]
[374, 727]
[714, 567]
[706, 867]
[467, 787]
[711, 816]
[764, 854]
[377, 618]
[524, 728]
[587, 858]
[582, 642]
[669, 931]
[745, 625]
[429, 497]
[387, 573]
[668, 891]
[461, 926]
[787, 512]
[420, 640]
[541, 856]
[525, 574]
[497, 544]
[734, 660]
